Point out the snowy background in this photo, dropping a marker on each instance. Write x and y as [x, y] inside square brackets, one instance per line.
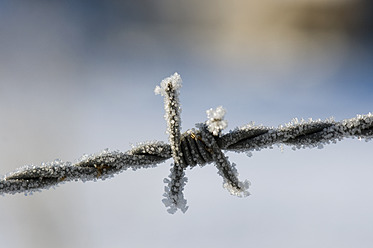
[77, 77]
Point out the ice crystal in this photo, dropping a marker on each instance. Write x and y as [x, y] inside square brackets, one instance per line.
[216, 122]
[169, 89]
[174, 81]
[225, 168]
[199, 146]
[174, 197]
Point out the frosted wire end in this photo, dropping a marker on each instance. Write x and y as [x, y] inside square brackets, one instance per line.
[216, 123]
[174, 80]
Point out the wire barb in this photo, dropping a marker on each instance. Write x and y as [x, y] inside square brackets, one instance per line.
[199, 146]
[174, 197]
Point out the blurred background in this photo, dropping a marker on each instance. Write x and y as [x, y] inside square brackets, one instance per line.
[77, 77]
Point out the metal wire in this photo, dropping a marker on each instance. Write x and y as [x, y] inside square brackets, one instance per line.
[194, 147]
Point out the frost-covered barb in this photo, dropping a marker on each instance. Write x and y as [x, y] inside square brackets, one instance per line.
[199, 146]
[174, 198]
[225, 169]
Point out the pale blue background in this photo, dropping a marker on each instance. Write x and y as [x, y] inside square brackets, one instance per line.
[78, 76]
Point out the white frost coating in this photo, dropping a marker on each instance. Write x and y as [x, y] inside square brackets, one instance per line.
[102, 165]
[169, 89]
[225, 168]
[174, 80]
[55, 169]
[216, 123]
[239, 192]
[192, 148]
[174, 197]
[299, 134]
[240, 189]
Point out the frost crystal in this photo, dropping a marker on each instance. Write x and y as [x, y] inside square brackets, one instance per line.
[174, 197]
[169, 88]
[194, 147]
[225, 169]
[216, 122]
[174, 81]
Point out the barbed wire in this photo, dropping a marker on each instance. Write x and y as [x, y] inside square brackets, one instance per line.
[199, 146]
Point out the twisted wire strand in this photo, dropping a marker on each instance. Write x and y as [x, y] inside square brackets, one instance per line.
[199, 146]
[299, 134]
[98, 166]
[194, 150]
